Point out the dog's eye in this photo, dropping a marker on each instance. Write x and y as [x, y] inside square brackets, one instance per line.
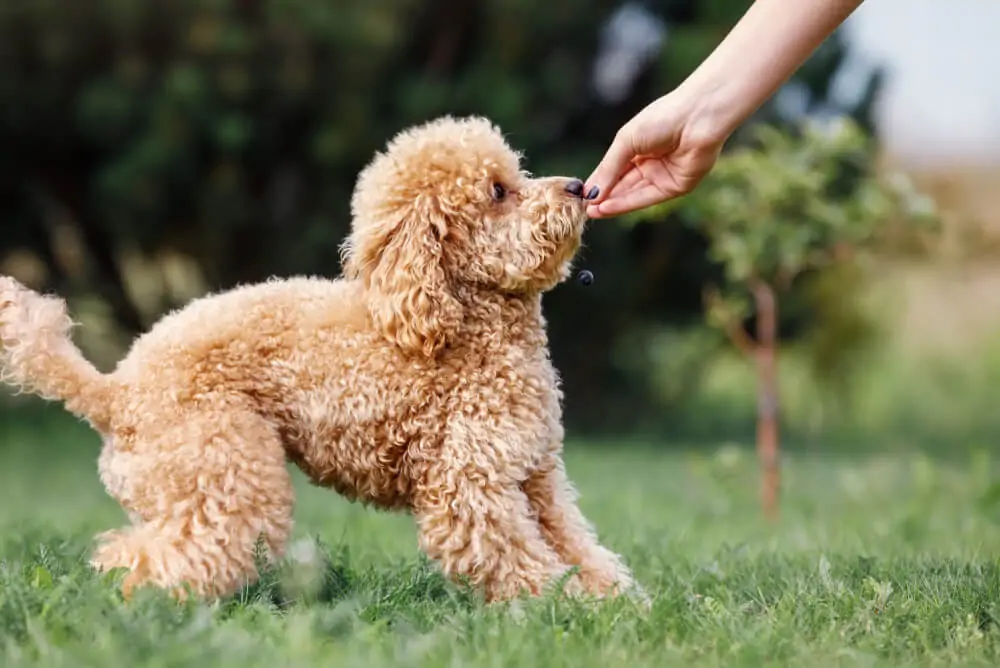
[499, 192]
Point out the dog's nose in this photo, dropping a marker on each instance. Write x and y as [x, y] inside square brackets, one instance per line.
[575, 188]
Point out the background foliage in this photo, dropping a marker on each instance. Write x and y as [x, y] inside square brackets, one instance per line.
[157, 150]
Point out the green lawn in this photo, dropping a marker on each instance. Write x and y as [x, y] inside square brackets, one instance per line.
[881, 560]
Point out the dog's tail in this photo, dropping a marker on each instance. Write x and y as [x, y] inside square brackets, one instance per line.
[38, 356]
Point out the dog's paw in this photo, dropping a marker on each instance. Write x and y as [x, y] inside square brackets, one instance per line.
[110, 552]
[614, 583]
[571, 584]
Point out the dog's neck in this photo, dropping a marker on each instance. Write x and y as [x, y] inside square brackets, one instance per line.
[497, 315]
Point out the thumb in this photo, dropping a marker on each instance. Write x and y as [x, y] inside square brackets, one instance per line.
[615, 163]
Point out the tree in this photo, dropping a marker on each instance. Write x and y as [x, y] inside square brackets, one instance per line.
[785, 205]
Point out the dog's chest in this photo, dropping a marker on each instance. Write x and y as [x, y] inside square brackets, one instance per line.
[507, 412]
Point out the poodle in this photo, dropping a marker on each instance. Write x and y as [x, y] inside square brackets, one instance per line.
[418, 381]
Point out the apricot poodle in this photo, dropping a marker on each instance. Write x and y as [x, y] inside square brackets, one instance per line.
[419, 381]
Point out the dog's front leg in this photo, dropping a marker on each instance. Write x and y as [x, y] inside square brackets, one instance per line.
[480, 528]
[553, 501]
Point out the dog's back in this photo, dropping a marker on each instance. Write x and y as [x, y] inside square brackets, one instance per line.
[221, 342]
[251, 322]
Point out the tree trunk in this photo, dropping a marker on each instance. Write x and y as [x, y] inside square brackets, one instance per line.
[767, 396]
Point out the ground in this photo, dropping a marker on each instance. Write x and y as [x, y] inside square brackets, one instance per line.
[879, 559]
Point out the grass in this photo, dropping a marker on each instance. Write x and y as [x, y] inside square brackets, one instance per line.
[878, 560]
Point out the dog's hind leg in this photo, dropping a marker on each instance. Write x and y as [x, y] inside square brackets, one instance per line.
[554, 502]
[216, 487]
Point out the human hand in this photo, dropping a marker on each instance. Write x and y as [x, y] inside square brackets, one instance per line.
[668, 147]
[663, 152]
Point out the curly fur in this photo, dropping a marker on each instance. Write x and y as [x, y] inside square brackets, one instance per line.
[419, 381]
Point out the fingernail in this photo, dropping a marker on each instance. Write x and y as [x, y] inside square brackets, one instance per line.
[594, 192]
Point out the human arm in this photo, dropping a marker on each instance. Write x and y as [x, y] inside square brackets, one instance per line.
[668, 147]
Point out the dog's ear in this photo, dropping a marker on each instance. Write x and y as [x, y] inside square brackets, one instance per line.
[399, 258]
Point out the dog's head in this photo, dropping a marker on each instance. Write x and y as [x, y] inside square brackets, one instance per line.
[446, 213]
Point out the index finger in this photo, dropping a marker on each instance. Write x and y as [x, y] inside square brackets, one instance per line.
[615, 163]
[629, 201]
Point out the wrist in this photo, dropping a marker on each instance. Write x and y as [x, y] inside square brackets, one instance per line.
[708, 111]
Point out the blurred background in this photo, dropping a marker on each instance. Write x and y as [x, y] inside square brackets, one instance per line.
[154, 151]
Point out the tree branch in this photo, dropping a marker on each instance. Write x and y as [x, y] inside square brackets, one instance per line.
[738, 335]
[730, 324]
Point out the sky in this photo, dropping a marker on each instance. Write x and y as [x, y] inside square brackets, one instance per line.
[941, 102]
